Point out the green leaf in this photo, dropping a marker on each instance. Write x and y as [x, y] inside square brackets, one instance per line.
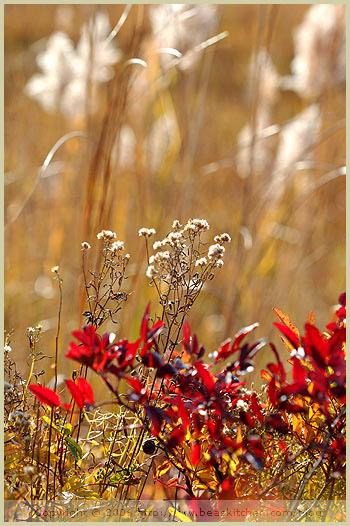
[74, 448]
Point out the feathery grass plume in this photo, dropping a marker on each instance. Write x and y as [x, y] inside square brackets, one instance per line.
[159, 140]
[182, 27]
[67, 71]
[320, 51]
[253, 143]
[296, 140]
[124, 153]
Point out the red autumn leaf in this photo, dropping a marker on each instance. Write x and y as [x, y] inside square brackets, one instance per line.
[320, 383]
[157, 417]
[67, 407]
[45, 395]
[224, 350]
[342, 299]
[272, 392]
[341, 313]
[299, 373]
[205, 375]
[140, 393]
[281, 371]
[87, 391]
[146, 347]
[255, 407]
[289, 334]
[182, 411]
[247, 419]
[152, 359]
[154, 330]
[275, 420]
[166, 371]
[176, 438]
[88, 336]
[333, 326]
[195, 453]
[294, 388]
[293, 408]
[242, 334]
[214, 427]
[131, 350]
[197, 422]
[275, 369]
[136, 384]
[194, 349]
[76, 393]
[95, 352]
[315, 345]
[286, 320]
[231, 444]
[187, 337]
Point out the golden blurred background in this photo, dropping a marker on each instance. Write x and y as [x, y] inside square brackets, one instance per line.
[246, 130]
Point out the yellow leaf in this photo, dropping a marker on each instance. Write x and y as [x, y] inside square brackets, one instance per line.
[297, 423]
[207, 476]
[233, 465]
[87, 494]
[288, 345]
[198, 486]
[162, 469]
[239, 440]
[265, 375]
[181, 516]
[72, 483]
[286, 320]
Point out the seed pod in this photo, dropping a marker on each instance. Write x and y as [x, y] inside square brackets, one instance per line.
[149, 447]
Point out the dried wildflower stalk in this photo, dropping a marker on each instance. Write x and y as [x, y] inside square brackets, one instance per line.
[178, 269]
[104, 291]
[178, 272]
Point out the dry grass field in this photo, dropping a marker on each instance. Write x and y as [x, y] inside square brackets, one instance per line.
[122, 117]
[182, 155]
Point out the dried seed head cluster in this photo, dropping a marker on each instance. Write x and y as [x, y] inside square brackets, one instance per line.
[185, 252]
[33, 334]
[216, 251]
[104, 290]
[116, 246]
[146, 232]
[181, 264]
[201, 262]
[223, 238]
[106, 235]
[20, 421]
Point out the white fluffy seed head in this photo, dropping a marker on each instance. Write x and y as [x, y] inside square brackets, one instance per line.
[216, 251]
[146, 232]
[85, 245]
[106, 235]
[151, 272]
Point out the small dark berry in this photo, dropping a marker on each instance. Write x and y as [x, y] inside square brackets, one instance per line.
[149, 447]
